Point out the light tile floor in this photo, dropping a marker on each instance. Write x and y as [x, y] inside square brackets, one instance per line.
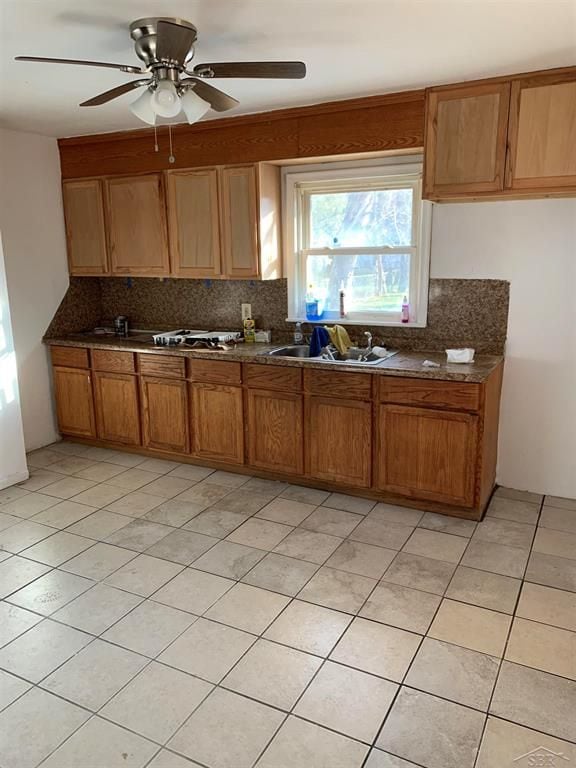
[166, 615]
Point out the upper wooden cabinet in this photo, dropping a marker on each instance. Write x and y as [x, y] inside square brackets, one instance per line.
[194, 222]
[219, 222]
[542, 133]
[466, 139]
[137, 233]
[85, 229]
[239, 221]
[504, 138]
[250, 221]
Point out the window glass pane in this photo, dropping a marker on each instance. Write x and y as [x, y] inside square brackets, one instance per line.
[369, 218]
[372, 283]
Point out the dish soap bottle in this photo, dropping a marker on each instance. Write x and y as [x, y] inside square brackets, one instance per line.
[311, 304]
[298, 335]
[405, 310]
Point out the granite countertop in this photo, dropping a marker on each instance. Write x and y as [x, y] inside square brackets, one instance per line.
[407, 364]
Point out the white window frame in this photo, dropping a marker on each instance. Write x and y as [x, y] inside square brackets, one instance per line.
[395, 171]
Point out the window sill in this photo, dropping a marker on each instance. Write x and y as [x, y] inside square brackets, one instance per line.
[368, 322]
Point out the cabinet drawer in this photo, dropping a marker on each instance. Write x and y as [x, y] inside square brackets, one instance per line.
[70, 357]
[438, 394]
[356, 386]
[273, 377]
[216, 371]
[162, 365]
[112, 361]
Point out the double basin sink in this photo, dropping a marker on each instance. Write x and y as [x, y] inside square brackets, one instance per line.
[354, 356]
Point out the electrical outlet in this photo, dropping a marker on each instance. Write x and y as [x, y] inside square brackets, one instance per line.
[246, 311]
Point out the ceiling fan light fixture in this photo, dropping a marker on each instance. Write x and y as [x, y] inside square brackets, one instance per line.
[194, 107]
[142, 108]
[165, 100]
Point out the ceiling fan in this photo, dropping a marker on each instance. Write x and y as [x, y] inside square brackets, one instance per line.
[166, 46]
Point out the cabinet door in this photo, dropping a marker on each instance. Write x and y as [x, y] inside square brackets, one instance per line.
[217, 422]
[275, 434]
[85, 228]
[465, 143]
[194, 222]
[542, 133]
[74, 402]
[164, 414]
[427, 454]
[339, 440]
[137, 225]
[239, 221]
[117, 412]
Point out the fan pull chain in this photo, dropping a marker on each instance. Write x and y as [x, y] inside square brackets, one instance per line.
[155, 139]
[171, 158]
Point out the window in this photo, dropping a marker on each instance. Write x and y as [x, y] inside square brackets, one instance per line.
[361, 229]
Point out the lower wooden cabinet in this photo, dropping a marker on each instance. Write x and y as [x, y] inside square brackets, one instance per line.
[275, 430]
[74, 402]
[217, 422]
[427, 453]
[339, 440]
[117, 408]
[164, 414]
[431, 443]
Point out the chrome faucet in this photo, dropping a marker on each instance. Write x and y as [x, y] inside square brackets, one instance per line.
[368, 342]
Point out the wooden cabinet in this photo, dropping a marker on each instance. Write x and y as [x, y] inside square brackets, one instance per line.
[239, 221]
[194, 222]
[117, 409]
[164, 414]
[217, 422]
[275, 430]
[211, 222]
[427, 454]
[339, 440]
[465, 144]
[74, 402]
[85, 228]
[504, 138]
[406, 440]
[250, 221]
[137, 233]
[542, 133]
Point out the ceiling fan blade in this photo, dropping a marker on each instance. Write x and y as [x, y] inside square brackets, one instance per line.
[279, 69]
[102, 98]
[121, 67]
[173, 41]
[218, 100]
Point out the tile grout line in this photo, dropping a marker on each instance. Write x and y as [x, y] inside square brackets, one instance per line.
[236, 581]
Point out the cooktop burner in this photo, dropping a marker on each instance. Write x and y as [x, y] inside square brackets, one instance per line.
[192, 338]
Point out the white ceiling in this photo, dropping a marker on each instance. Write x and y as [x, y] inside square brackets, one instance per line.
[352, 48]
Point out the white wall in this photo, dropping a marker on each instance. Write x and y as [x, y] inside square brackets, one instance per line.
[532, 244]
[13, 467]
[32, 225]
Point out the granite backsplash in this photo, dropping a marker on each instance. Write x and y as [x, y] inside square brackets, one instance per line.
[461, 313]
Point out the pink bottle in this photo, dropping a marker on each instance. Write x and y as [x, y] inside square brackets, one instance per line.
[405, 310]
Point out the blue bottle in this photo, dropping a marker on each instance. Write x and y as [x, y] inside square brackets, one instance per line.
[313, 311]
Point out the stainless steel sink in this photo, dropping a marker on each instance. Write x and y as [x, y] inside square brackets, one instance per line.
[354, 356]
[296, 350]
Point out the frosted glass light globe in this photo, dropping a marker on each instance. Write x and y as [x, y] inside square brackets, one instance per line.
[194, 107]
[165, 99]
[142, 108]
